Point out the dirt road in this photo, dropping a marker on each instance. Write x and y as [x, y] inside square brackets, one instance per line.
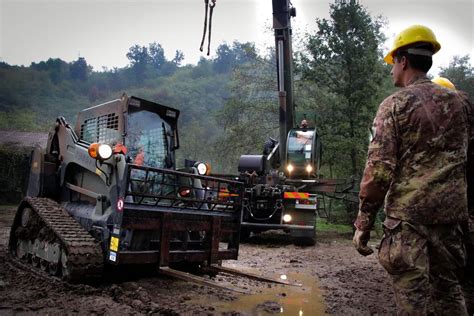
[334, 280]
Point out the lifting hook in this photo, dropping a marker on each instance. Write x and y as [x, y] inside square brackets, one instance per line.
[207, 5]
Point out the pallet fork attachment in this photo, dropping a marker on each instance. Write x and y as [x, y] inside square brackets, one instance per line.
[215, 268]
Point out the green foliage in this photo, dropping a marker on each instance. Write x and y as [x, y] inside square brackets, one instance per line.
[139, 58]
[79, 69]
[228, 57]
[14, 170]
[322, 225]
[57, 69]
[21, 121]
[178, 58]
[344, 63]
[250, 115]
[461, 74]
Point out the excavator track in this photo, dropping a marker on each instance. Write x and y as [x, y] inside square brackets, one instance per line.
[46, 237]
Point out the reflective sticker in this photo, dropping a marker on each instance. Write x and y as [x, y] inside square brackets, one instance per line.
[114, 242]
[98, 172]
[113, 256]
[295, 195]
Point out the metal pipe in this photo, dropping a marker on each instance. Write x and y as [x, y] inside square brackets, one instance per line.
[281, 78]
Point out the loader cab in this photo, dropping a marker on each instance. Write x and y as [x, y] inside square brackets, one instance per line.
[151, 136]
[147, 129]
[303, 153]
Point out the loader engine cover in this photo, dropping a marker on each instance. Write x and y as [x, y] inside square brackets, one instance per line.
[251, 163]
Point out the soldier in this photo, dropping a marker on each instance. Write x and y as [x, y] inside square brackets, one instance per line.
[468, 277]
[444, 82]
[416, 167]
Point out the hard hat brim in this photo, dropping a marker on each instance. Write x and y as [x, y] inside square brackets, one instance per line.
[389, 58]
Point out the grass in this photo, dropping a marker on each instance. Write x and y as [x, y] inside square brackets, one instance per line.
[322, 225]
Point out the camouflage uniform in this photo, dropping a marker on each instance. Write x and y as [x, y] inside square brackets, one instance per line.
[416, 167]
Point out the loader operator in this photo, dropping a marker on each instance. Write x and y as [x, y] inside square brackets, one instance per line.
[416, 166]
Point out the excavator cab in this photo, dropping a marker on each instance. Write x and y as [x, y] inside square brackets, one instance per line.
[303, 153]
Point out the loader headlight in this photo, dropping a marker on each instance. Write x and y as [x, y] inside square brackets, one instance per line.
[105, 151]
[290, 168]
[309, 168]
[287, 218]
[120, 204]
[100, 151]
[202, 168]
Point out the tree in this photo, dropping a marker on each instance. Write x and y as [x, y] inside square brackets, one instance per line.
[79, 69]
[461, 74]
[250, 115]
[244, 52]
[178, 58]
[230, 56]
[58, 69]
[139, 58]
[203, 69]
[225, 59]
[343, 60]
[157, 55]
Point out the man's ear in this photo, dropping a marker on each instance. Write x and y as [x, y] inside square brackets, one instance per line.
[404, 62]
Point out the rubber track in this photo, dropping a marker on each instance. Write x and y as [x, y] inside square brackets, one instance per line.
[84, 254]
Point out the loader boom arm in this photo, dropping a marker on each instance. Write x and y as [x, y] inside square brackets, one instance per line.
[282, 13]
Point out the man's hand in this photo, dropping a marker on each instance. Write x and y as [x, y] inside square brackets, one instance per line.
[360, 242]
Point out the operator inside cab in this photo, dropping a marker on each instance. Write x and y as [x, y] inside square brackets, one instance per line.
[304, 124]
[302, 151]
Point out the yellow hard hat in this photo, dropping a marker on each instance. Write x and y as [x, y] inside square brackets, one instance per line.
[411, 35]
[444, 83]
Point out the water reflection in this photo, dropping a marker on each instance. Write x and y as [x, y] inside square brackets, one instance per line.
[278, 299]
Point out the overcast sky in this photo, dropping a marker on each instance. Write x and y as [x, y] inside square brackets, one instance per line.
[102, 31]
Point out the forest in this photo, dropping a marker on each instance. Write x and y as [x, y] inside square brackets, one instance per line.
[229, 103]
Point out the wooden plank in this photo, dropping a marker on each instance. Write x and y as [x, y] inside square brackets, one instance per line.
[252, 275]
[197, 279]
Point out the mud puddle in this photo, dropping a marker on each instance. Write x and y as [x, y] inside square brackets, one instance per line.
[272, 298]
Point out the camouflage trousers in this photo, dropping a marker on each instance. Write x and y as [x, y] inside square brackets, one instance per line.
[468, 280]
[425, 263]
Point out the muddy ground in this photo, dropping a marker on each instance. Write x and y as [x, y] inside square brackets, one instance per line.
[335, 280]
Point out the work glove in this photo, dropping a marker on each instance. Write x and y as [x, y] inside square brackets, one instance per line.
[360, 242]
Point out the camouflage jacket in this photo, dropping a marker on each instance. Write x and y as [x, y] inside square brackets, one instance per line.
[418, 157]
